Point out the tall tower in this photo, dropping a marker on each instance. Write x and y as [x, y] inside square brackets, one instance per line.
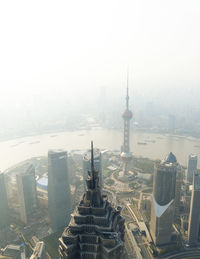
[162, 211]
[87, 165]
[192, 167]
[4, 214]
[127, 115]
[59, 194]
[177, 201]
[194, 216]
[27, 193]
[96, 229]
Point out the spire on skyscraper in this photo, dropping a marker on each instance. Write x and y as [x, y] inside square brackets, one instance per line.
[96, 229]
[92, 166]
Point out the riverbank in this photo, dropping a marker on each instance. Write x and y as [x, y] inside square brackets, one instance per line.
[157, 145]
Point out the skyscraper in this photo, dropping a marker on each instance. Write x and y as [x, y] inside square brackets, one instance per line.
[192, 167]
[27, 194]
[59, 194]
[162, 211]
[194, 216]
[87, 165]
[96, 229]
[126, 155]
[4, 210]
[179, 182]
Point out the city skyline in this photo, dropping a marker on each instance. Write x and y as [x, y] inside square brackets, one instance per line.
[124, 74]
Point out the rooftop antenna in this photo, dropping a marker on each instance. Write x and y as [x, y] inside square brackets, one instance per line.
[127, 96]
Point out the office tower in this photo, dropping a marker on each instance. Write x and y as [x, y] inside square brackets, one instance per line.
[27, 194]
[97, 165]
[162, 209]
[59, 194]
[126, 155]
[4, 210]
[96, 229]
[194, 216]
[192, 167]
[39, 251]
[179, 182]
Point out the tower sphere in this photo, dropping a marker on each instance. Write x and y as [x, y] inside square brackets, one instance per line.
[127, 114]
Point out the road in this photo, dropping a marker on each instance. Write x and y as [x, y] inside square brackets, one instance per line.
[183, 255]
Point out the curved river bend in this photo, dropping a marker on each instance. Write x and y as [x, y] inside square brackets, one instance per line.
[157, 146]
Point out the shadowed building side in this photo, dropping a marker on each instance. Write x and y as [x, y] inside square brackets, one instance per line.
[59, 194]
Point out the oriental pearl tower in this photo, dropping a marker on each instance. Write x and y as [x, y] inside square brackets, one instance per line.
[126, 155]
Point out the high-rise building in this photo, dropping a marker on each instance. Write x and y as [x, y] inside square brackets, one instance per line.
[96, 229]
[27, 194]
[59, 194]
[192, 167]
[127, 115]
[97, 165]
[194, 216]
[162, 209]
[177, 201]
[4, 210]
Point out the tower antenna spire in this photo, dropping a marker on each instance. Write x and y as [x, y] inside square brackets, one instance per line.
[127, 96]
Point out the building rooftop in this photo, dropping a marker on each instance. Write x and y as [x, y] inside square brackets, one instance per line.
[171, 158]
[55, 152]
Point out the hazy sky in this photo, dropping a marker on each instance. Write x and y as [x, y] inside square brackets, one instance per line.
[65, 47]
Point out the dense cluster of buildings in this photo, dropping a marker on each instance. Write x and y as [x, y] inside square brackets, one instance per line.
[165, 207]
[95, 229]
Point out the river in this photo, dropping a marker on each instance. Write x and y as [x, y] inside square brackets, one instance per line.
[157, 147]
